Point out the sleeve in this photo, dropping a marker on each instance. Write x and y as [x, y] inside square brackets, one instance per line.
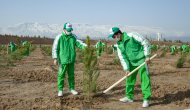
[144, 42]
[80, 44]
[55, 47]
[96, 46]
[123, 59]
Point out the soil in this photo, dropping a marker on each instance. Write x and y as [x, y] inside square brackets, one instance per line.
[32, 85]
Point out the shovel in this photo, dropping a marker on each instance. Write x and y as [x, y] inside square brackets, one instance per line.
[116, 83]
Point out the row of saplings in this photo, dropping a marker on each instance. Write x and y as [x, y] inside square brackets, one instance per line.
[183, 50]
[46, 49]
[16, 52]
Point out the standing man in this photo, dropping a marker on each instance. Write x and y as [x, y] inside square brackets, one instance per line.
[64, 54]
[133, 49]
[173, 49]
[11, 47]
[99, 48]
[183, 48]
[27, 46]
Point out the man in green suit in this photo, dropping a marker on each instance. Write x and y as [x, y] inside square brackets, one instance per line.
[133, 49]
[64, 54]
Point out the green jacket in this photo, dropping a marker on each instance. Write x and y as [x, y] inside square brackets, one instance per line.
[99, 46]
[12, 46]
[184, 47]
[132, 50]
[173, 47]
[26, 43]
[64, 48]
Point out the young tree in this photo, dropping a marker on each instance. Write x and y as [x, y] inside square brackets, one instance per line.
[91, 72]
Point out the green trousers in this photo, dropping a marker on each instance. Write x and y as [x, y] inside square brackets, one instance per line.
[99, 52]
[145, 83]
[27, 52]
[63, 68]
[172, 51]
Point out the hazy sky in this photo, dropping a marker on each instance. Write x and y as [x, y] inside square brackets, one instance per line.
[167, 14]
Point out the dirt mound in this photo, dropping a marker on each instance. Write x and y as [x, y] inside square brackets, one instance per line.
[32, 84]
[79, 102]
[43, 75]
[167, 93]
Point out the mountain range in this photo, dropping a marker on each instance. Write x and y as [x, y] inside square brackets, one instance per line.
[95, 31]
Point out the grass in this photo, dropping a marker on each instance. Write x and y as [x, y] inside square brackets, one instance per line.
[164, 51]
[11, 58]
[47, 50]
[109, 50]
[116, 61]
[180, 62]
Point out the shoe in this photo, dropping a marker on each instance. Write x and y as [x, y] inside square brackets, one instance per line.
[60, 93]
[145, 104]
[74, 92]
[125, 99]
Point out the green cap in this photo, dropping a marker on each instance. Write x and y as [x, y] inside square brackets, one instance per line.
[113, 30]
[68, 26]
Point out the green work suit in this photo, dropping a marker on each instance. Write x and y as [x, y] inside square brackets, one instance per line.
[132, 51]
[64, 51]
[99, 48]
[26, 46]
[12, 47]
[173, 49]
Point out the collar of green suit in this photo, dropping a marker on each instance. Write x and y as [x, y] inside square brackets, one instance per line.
[63, 33]
[125, 37]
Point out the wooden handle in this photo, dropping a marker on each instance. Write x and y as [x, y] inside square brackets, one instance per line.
[116, 83]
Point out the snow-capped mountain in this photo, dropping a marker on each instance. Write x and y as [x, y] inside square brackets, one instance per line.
[81, 30]
[32, 29]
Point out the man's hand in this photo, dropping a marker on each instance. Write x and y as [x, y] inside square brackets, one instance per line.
[55, 62]
[127, 72]
[147, 60]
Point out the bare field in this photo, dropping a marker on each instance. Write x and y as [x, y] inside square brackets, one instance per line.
[32, 85]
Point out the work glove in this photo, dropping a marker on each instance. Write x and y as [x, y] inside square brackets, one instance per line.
[55, 62]
[147, 60]
[127, 72]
